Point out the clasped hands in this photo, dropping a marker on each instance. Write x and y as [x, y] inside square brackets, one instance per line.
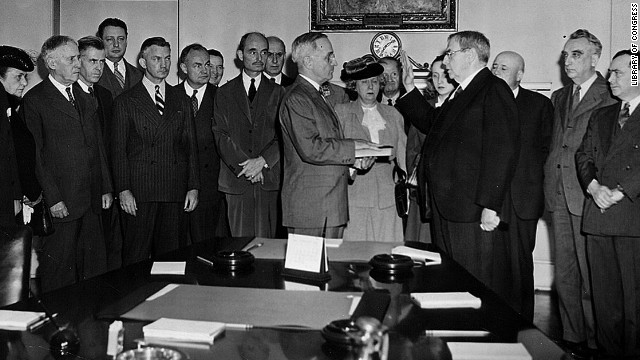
[603, 196]
[252, 169]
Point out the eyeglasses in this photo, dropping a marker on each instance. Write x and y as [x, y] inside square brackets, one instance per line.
[450, 53]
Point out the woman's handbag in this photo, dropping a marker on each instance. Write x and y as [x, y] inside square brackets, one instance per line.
[401, 189]
[39, 218]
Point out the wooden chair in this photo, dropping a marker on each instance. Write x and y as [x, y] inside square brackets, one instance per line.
[15, 264]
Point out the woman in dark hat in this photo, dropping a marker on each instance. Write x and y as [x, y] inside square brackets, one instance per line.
[372, 211]
[17, 153]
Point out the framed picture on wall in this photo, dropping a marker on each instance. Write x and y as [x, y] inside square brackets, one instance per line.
[397, 15]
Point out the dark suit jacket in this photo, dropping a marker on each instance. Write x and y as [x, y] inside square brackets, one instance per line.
[612, 156]
[156, 157]
[567, 136]
[10, 180]
[25, 151]
[471, 147]
[244, 131]
[316, 160]
[109, 81]
[535, 114]
[103, 102]
[285, 80]
[208, 153]
[71, 162]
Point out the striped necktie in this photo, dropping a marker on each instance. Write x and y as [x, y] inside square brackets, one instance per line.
[624, 114]
[118, 74]
[575, 99]
[72, 100]
[159, 100]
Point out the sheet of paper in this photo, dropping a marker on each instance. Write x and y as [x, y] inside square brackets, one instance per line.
[417, 255]
[447, 300]
[333, 243]
[183, 330]
[355, 300]
[18, 320]
[488, 351]
[163, 291]
[168, 268]
[304, 253]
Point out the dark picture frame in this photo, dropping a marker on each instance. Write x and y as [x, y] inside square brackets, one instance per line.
[395, 15]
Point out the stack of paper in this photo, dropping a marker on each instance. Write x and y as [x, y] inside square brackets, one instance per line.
[488, 351]
[183, 330]
[19, 320]
[168, 268]
[417, 255]
[447, 300]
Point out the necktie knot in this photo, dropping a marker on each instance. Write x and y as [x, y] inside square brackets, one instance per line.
[390, 102]
[273, 80]
[624, 114]
[118, 74]
[72, 100]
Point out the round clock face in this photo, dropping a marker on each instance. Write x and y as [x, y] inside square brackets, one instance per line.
[385, 44]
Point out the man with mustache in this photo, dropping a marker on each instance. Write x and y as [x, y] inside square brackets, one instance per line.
[155, 158]
[71, 166]
[244, 125]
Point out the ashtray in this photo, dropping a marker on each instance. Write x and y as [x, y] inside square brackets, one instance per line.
[392, 264]
[151, 353]
[233, 260]
[337, 333]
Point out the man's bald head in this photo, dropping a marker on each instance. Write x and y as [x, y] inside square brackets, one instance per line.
[509, 66]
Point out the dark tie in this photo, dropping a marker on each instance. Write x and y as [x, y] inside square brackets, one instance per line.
[194, 103]
[624, 115]
[273, 80]
[457, 92]
[91, 92]
[72, 100]
[252, 90]
[390, 102]
[118, 74]
[159, 100]
[575, 99]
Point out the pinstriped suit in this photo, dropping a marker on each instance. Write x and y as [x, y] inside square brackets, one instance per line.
[156, 158]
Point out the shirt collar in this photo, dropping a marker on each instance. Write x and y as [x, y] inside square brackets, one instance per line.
[277, 77]
[633, 104]
[121, 66]
[83, 86]
[516, 91]
[313, 83]
[246, 81]
[394, 98]
[151, 88]
[584, 87]
[469, 78]
[60, 87]
[440, 100]
[199, 95]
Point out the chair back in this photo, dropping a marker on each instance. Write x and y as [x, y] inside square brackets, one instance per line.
[15, 264]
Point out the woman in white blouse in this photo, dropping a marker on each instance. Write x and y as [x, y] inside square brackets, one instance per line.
[372, 212]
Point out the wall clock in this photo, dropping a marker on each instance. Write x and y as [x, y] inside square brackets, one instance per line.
[385, 44]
